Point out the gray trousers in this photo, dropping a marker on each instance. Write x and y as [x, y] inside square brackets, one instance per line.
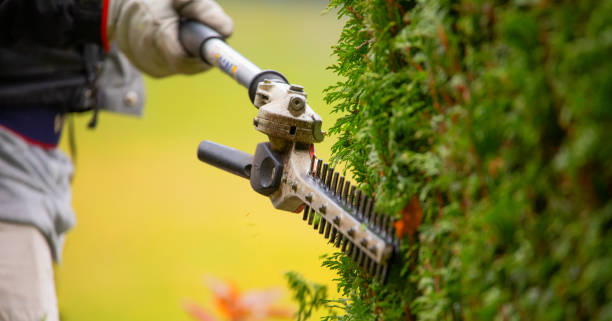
[35, 188]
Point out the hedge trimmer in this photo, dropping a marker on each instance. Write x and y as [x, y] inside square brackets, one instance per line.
[286, 169]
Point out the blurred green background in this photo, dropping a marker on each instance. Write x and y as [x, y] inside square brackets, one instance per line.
[153, 221]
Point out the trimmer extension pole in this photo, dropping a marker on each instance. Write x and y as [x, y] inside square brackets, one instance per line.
[201, 41]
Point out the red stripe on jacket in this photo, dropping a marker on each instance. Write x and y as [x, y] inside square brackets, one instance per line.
[103, 34]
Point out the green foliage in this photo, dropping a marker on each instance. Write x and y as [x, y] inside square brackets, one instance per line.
[310, 296]
[496, 117]
[362, 296]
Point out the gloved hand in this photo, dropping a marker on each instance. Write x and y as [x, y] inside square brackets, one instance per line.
[146, 31]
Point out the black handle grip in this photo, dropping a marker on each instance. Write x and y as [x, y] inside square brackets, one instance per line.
[267, 169]
[226, 158]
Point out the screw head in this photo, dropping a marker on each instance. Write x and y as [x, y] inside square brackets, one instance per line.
[297, 103]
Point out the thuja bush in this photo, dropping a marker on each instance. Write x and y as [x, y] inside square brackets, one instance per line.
[483, 127]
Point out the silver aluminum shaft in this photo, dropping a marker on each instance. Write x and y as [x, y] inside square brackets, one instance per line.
[218, 53]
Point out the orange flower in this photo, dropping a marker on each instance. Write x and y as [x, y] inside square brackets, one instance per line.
[237, 306]
[197, 312]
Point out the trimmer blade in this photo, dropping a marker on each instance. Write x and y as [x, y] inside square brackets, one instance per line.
[362, 242]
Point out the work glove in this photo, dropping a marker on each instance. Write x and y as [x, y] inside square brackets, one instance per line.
[147, 31]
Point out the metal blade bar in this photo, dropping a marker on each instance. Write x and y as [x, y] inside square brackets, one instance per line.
[349, 212]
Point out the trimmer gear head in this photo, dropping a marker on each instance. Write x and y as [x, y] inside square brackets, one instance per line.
[284, 114]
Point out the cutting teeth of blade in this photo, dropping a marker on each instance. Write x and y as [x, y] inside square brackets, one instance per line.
[362, 204]
[383, 276]
[356, 243]
[373, 210]
[322, 226]
[318, 170]
[330, 174]
[359, 257]
[378, 221]
[351, 247]
[368, 210]
[340, 187]
[377, 274]
[372, 268]
[383, 227]
[345, 242]
[355, 254]
[334, 233]
[390, 228]
[358, 205]
[334, 184]
[371, 213]
[323, 174]
[339, 240]
[347, 186]
[311, 216]
[352, 196]
[365, 263]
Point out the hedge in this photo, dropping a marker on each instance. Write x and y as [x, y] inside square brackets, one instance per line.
[484, 127]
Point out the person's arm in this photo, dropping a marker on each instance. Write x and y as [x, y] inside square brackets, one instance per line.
[147, 31]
